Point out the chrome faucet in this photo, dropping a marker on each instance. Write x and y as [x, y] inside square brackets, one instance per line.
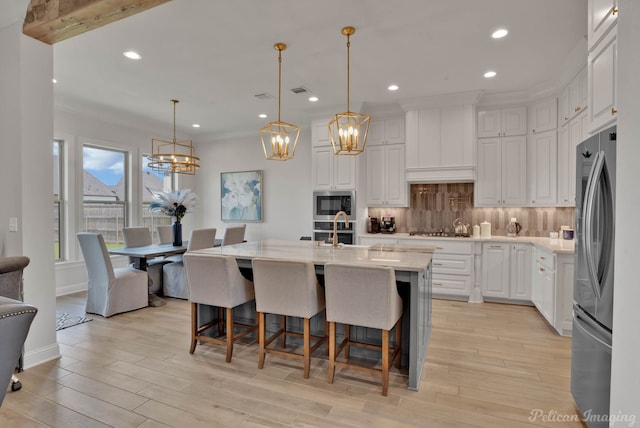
[335, 225]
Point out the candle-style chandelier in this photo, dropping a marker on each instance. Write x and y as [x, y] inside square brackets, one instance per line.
[348, 130]
[173, 156]
[279, 139]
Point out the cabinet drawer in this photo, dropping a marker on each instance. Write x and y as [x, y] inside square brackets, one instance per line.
[451, 284]
[452, 246]
[546, 259]
[456, 264]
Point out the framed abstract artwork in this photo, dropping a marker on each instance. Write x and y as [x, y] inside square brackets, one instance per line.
[241, 196]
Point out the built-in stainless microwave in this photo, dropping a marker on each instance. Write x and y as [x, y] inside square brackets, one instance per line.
[326, 204]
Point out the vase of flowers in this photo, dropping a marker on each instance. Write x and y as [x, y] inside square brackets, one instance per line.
[175, 204]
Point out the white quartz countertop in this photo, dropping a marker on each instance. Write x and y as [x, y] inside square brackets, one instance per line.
[321, 255]
[561, 246]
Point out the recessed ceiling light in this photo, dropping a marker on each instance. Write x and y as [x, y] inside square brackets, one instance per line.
[313, 99]
[393, 87]
[196, 125]
[54, 80]
[498, 34]
[489, 74]
[262, 116]
[132, 55]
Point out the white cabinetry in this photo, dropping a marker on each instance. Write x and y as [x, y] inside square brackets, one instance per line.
[602, 70]
[329, 172]
[601, 16]
[502, 172]
[569, 136]
[502, 123]
[386, 185]
[543, 115]
[386, 131]
[440, 144]
[506, 272]
[542, 152]
[574, 99]
[552, 288]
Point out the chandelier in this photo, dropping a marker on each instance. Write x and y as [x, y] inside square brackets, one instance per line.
[348, 130]
[279, 139]
[173, 156]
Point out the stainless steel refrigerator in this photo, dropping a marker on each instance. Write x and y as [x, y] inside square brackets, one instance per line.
[593, 276]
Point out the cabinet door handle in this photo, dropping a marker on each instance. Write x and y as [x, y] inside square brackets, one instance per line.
[541, 258]
[566, 118]
[541, 270]
[533, 130]
[438, 264]
[438, 283]
[577, 109]
[496, 246]
[533, 202]
[614, 11]
[439, 248]
[613, 111]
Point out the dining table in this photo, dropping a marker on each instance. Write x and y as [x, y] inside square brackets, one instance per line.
[412, 266]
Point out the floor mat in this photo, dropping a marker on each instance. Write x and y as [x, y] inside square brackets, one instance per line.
[65, 320]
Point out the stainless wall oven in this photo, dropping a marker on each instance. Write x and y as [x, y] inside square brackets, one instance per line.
[326, 204]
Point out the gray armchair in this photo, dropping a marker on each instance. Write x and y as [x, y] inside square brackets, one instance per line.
[15, 321]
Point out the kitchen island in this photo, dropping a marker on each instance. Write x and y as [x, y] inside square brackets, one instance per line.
[413, 274]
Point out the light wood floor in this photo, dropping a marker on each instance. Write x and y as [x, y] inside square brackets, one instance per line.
[488, 365]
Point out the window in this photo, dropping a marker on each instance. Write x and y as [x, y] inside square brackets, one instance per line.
[58, 198]
[153, 181]
[105, 195]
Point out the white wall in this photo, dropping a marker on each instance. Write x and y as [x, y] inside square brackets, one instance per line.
[26, 120]
[625, 376]
[286, 187]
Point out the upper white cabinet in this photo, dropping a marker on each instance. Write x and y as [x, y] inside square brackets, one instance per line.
[543, 115]
[386, 185]
[574, 99]
[502, 172]
[440, 144]
[602, 70]
[569, 136]
[329, 171]
[502, 123]
[542, 152]
[602, 15]
[386, 131]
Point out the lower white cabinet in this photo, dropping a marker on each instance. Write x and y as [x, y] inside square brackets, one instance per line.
[552, 289]
[452, 274]
[506, 272]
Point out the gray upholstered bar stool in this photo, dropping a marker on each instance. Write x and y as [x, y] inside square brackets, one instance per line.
[174, 280]
[216, 281]
[365, 296]
[287, 288]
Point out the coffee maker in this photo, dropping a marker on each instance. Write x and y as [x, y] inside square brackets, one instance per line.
[373, 226]
[388, 225]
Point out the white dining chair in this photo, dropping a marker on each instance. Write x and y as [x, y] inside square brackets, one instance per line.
[174, 279]
[110, 291]
[140, 237]
[165, 234]
[234, 235]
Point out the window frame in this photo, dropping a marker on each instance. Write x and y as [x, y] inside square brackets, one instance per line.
[59, 200]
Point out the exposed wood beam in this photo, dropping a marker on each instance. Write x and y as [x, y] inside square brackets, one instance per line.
[52, 21]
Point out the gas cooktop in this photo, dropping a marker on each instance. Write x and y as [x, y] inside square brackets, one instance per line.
[438, 233]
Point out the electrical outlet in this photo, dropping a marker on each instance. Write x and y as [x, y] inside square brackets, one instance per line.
[13, 224]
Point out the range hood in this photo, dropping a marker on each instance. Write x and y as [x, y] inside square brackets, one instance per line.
[441, 174]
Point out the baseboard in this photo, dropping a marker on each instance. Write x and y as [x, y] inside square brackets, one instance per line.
[72, 288]
[41, 356]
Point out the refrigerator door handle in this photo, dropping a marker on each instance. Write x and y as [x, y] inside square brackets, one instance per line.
[587, 220]
[578, 324]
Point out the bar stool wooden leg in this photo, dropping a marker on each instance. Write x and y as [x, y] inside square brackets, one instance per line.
[194, 326]
[347, 346]
[307, 351]
[399, 343]
[326, 335]
[332, 351]
[385, 362]
[283, 326]
[220, 323]
[229, 334]
[261, 333]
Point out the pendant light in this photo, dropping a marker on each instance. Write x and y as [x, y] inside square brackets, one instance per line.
[173, 156]
[348, 130]
[279, 139]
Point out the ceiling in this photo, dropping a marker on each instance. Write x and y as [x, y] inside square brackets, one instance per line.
[215, 56]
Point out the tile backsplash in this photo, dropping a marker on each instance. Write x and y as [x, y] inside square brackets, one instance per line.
[436, 206]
